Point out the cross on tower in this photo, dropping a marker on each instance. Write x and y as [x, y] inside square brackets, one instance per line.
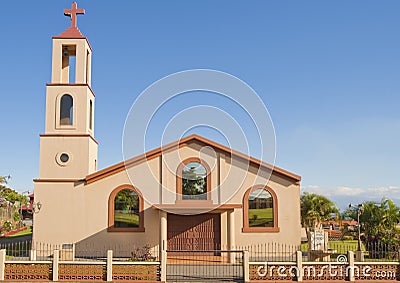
[73, 12]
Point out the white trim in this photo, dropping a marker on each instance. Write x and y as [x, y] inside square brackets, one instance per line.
[84, 262]
[28, 261]
[324, 263]
[272, 262]
[137, 262]
[376, 262]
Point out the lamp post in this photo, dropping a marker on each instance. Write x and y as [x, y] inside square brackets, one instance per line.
[360, 208]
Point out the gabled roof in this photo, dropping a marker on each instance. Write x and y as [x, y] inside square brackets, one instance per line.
[109, 171]
[72, 33]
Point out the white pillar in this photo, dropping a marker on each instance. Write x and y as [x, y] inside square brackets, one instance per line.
[299, 265]
[359, 256]
[163, 266]
[163, 230]
[56, 258]
[246, 266]
[109, 266]
[231, 234]
[32, 255]
[2, 264]
[73, 252]
[350, 268]
[163, 244]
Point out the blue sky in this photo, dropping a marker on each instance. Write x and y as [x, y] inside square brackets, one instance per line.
[328, 72]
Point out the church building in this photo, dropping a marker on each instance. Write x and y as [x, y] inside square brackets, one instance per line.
[201, 200]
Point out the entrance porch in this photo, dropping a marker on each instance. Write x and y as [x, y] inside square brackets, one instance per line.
[214, 230]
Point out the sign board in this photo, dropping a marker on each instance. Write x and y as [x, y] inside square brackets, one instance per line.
[317, 240]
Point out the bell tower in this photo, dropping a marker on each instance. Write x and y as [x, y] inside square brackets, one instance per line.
[68, 149]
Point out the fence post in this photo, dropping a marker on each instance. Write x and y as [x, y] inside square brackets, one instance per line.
[73, 252]
[246, 266]
[163, 266]
[32, 255]
[56, 258]
[350, 268]
[360, 256]
[2, 264]
[109, 266]
[299, 265]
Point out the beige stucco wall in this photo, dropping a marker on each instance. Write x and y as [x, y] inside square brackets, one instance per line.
[81, 150]
[78, 213]
[83, 61]
[81, 99]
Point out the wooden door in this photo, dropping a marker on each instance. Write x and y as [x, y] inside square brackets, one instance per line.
[194, 232]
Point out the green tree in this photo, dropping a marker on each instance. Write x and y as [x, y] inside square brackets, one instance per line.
[315, 209]
[12, 196]
[127, 200]
[378, 221]
[192, 183]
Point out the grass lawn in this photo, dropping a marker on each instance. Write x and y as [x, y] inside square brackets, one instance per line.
[261, 217]
[26, 232]
[340, 246]
[126, 220]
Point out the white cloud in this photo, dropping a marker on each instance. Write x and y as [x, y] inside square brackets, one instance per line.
[316, 190]
[347, 191]
[364, 194]
[392, 192]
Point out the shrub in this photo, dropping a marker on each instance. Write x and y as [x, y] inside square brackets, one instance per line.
[16, 216]
[7, 226]
[142, 254]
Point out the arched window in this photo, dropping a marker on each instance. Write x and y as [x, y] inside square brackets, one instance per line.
[126, 210]
[193, 180]
[66, 110]
[260, 210]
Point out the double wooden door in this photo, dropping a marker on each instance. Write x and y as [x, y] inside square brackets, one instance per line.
[194, 232]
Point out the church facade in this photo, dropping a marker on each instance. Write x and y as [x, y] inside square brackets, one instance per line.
[178, 197]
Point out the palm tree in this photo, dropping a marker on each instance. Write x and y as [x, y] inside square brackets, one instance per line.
[315, 209]
[379, 221]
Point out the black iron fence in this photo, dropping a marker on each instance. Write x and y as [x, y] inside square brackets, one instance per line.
[271, 252]
[371, 251]
[205, 266]
[17, 250]
[27, 250]
[379, 251]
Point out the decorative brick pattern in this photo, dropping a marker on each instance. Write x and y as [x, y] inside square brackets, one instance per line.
[377, 272]
[82, 272]
[136, 272]
[27, 272]
[324, 272]
[281, 272]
